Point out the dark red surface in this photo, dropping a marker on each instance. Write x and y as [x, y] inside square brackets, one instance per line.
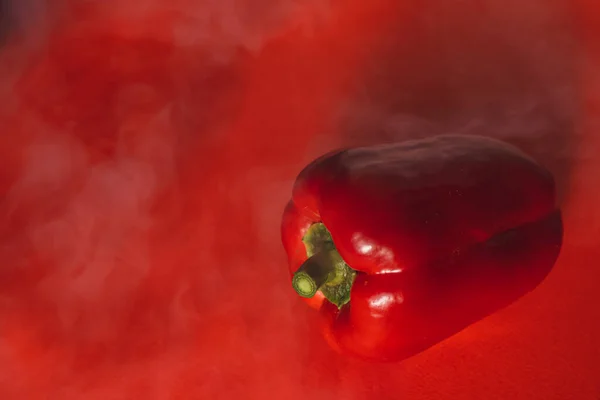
[141, 192]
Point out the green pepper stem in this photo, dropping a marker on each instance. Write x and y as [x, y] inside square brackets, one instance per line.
[325, 270]
[315, 272]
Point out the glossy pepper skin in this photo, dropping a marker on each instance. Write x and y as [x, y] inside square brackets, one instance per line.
[433, 234]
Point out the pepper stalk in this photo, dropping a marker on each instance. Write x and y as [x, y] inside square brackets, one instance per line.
[325, 270]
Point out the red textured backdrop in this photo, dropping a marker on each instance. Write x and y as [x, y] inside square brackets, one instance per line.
[147, 150]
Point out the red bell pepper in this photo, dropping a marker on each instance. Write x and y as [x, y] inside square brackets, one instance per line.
[401, 246]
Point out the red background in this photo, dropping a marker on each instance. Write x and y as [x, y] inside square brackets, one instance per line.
[147, 151]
